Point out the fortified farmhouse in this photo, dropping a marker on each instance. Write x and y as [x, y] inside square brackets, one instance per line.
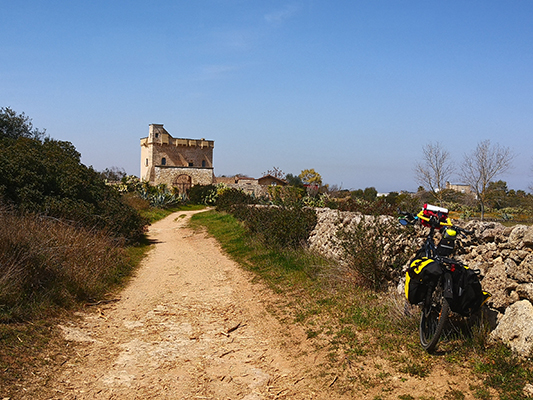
[179, 163]
[182, 163]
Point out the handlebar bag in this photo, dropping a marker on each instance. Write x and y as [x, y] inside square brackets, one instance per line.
[421, 274]
[429, 211]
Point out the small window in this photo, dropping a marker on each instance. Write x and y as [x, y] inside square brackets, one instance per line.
[156, 135]
[146, 162]
[191, 164]
[163, 161]
[203, 163]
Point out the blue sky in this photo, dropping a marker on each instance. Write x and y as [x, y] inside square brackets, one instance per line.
[353, 89]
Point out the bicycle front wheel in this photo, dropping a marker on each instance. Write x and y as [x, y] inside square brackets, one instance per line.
[432, 321]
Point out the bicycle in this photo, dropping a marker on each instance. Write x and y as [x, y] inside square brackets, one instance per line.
[445, 285]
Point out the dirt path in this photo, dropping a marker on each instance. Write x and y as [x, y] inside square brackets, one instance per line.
[189, 326]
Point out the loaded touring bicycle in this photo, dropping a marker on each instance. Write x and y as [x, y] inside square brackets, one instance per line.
[436, 282]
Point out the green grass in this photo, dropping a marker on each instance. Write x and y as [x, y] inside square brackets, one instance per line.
[155, 214]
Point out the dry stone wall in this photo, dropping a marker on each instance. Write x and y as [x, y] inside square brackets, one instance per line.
[504, 256]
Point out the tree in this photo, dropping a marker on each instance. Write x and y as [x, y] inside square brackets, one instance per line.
[481, 166]
[48, 178]
[310, 177]
[497, 195]
[45, 176]
[294, 180]
[13, 126]
[113, 174]
[370, 194]
[435, 168]
[275, 172]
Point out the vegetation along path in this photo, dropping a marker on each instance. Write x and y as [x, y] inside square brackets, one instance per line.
[189, 326]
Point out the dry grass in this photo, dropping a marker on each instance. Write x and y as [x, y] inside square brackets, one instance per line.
[47, 264]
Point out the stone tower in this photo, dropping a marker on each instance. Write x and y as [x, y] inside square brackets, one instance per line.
[179, 163]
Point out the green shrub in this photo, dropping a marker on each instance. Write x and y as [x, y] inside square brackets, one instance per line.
[229, 199]
[369, 249]
[203, 194]
[286, 195]
[279, 226]
[47, 177]
[366, 207]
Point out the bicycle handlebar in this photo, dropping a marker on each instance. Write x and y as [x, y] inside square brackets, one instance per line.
[411, 219]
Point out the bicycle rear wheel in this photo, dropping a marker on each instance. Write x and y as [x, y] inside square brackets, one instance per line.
[432, 321]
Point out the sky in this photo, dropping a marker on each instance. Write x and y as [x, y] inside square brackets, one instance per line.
[351, 88]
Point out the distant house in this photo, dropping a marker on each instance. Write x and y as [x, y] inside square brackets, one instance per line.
[269, 180]
[252, 186]
[459, 187]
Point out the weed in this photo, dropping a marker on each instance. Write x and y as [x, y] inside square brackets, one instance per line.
[505, 372]
[406, 397]
[414, 368]
[312, 334]
[454, 394]
[480, 392]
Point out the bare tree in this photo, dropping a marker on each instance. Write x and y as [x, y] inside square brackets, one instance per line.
[480, 167]
[276, 172]
[435, 169]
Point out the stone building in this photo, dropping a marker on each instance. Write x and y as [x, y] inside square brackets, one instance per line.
[176, 162]
[459, 187]
[251, 186]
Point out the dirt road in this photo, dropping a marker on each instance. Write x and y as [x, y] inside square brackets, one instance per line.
[190, 325]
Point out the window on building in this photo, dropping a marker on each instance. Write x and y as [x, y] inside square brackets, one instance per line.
[156, 135]
[146, 162]
[163, 161]
[191, 164]
[203, 163]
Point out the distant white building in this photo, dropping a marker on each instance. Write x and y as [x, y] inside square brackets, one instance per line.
[459, 187]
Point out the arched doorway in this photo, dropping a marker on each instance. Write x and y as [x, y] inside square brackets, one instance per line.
[182, 183]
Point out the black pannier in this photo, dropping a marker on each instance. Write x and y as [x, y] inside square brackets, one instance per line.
[467, 293]
[422, 274]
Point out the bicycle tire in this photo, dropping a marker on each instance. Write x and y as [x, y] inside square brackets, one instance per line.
[432, 322]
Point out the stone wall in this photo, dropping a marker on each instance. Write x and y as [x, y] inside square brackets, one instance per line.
[328, 223]
[504, 256]
[168, 175]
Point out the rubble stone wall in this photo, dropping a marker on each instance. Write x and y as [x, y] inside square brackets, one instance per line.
[503, 255]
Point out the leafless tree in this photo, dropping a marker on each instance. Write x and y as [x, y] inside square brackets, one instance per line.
[481, 167]
[275, 172]
[435, 169]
